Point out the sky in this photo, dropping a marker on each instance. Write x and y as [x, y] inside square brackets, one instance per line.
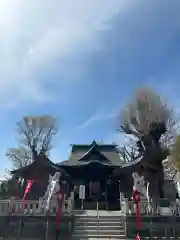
[81, 61]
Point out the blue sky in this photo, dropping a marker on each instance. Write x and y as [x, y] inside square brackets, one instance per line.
[81, 61]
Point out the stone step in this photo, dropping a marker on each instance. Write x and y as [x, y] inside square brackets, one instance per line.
[97, 236]
[101, 217]
[106, 221]
[95, 224]
[116, 220]
[94, 213]
[87, 218]
[112, 228]
[102, 231]
[101, 237]
[23, 238]
[99, 222]
[98, 214]
[106, 224]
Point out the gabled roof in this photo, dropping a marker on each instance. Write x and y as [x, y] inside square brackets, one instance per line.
[35, 167]
[93, 150]
[105, 154]
[88, 146]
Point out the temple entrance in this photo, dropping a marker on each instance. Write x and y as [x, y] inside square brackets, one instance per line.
[95, 178]
[105, 194]
[94, 190]
[113, 195]
[93, 193]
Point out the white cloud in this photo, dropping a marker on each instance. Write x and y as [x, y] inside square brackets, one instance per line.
[33, 34]
[100, 116]
[55, 156]
[118, 138]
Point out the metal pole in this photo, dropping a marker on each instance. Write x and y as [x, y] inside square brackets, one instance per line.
[174, 233]
[19, 229]
[125, 228]
[82, 204]
[106, 198]
[165, 231]
[98, 217]
[47, 226]
[151, 232]
[119, 196]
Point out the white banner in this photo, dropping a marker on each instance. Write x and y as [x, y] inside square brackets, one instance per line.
[50, 193]
[178, 188]
[82, 192]
[53, 187]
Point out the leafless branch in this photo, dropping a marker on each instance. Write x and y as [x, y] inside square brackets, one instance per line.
[146, 111]
[19, 157]
[36, 133]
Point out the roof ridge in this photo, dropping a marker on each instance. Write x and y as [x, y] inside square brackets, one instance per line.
[94, 143]
[90, 150]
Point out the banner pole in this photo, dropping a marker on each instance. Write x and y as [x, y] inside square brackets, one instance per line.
[82, 204]
[47, 225]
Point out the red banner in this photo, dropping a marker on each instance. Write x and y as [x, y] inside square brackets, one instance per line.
[136, 200]
[60, 199]
[28, 186]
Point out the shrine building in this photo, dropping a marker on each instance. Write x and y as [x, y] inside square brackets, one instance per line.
[98, 167]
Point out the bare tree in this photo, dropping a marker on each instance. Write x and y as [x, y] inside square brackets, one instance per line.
[175, 154]
[172, 130]
[19, 157]
[35, 136]
[129, 151]
[36, 132]
[145, 118]
[150, 122]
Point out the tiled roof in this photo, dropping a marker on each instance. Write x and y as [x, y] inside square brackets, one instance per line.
[41, 163]
[83, 155]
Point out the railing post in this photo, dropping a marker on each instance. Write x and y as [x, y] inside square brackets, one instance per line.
[70, 206]
[34, 209]
[72, 199]
[125, 206]
[1, 207]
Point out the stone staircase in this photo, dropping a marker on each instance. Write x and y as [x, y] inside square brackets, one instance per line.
[108, 226]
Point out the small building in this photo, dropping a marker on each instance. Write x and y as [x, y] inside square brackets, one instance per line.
[93, 166]
[90, 165]
[96, 166]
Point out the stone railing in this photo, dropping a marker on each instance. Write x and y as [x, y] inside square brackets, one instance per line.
[33, 207]
[128, 208]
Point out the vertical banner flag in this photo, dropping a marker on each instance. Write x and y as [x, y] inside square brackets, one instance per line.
[136, 200]
[52, 188]
[28, 186]
[50, 193]
[138, 185]
[60, 198]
